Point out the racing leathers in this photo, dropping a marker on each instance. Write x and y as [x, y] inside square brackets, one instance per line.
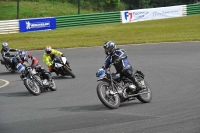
[48, 59]
[121, 63]
[35, 65]
[33, 59]
[6, 55]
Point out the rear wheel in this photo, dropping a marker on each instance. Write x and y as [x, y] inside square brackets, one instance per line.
[32, 87]
[107, 96]
[8, 67]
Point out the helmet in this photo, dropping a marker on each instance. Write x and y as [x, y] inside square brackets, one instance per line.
[48, 49]
[109, 47]
[5, 46]
[23, 54]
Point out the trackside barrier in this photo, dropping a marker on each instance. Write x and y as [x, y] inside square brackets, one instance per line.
[9, 26]
[193, 9]
[37, 24]
[184, 10]
[14, 26]
[129, 16]
[87, 19]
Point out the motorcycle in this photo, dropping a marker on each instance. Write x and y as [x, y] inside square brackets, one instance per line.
[35, 81]
[61, 66]
[114, 89]
[10, 62]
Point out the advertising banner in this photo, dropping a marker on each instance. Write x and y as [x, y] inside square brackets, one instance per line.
[151, 14]
[37, 24]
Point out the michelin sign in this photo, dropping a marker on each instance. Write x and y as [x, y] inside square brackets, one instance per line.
[37, 24]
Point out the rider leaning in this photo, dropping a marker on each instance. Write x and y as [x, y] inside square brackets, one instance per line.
[49, 55]
[5, 51]
[24, 57]
[120, 60]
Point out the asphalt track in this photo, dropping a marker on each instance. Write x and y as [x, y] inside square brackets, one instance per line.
[171, 69]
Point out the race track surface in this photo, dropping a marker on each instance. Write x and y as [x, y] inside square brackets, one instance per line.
[171, 69]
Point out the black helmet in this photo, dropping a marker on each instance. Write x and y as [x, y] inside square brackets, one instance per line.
[109, 47]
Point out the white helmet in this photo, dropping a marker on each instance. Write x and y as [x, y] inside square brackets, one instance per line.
[48, 49]
[5, 46]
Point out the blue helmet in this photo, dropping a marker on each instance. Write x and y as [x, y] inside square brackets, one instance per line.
[5, 46]
[23, 54]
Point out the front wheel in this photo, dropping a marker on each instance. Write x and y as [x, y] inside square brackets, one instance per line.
[107, 96]
[68, 71]
[32, 87]
[53, 86]
[146, 97]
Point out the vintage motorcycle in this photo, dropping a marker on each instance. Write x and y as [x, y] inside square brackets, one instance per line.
[113, 88]
[35, 81]
[10, 62]
[61, 66]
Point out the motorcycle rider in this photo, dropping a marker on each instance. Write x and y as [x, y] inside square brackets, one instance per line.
[119, 58]
[5, 52]
[24, 57]
[48, 57]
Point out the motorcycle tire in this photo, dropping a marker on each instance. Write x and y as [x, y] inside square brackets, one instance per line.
[35, 91]
[67, 70]
[145, 98]
[8, 67]
[53, 88]
[109, 100]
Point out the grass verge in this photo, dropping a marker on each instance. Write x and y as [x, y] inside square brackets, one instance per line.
[165, 30]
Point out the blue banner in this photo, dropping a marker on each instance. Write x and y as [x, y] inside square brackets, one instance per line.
[37, 24]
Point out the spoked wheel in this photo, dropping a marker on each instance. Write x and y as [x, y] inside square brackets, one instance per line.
[32, 87]
[107, 96]
[53, 86]
[146, 97]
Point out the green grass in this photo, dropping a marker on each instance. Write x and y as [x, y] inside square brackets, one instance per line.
[37, 9]
[165, 30]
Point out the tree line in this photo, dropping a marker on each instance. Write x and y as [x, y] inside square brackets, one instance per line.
[117, 5]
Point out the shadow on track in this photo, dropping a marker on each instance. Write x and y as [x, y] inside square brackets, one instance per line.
[16, 94]
[61, 77]
[99, 107]
[80, 108]
[8, 73]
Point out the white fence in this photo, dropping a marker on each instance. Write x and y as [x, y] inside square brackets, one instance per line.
[12, 26]
[9, 26]
[184, 10]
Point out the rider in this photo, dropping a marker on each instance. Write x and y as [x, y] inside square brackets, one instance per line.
[48, 57]
[5, 51]
[119, 58]
[24, 57]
